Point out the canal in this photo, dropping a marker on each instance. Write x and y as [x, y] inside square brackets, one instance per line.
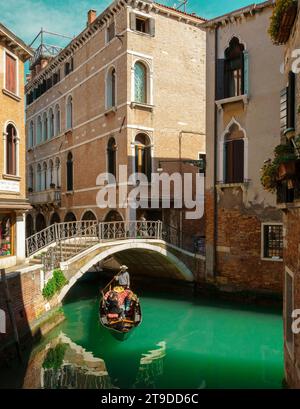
[183, 342]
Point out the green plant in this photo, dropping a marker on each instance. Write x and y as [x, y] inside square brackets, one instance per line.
[55, 284]
[279, 9]
[55, 357]
[269, 176]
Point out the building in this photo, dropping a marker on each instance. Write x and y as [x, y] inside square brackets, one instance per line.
[13, 202]
[288, 188]
[128, 90]
[244, 242]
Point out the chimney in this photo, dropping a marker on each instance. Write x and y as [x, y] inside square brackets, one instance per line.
[91, 16]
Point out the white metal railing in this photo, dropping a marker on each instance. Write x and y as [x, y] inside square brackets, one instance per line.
[54, 234]
[109, 231]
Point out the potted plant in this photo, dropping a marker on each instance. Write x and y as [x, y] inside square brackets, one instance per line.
[52, 185]
[285, 159]
[282, 20]
[269, 176]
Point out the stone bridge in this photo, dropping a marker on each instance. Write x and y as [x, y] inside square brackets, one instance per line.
[147, 247]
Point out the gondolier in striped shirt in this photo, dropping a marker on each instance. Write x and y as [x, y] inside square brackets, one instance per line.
[123, 277]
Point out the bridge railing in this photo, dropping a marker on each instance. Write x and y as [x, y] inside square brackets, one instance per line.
[109, 231]
[56, 233]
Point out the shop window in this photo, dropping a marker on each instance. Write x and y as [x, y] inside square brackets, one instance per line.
[6, 235]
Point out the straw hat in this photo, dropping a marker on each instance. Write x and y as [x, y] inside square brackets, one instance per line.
[123, 268]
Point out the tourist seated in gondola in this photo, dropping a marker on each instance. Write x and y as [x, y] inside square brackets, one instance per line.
[113, 305]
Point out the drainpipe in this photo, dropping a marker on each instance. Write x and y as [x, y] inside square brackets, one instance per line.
[215, 198]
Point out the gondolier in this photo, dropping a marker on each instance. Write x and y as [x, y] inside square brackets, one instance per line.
[123, 277]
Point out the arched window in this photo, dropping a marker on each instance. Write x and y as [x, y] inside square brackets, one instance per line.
[69, 119]
[39, 130]
[234, 155]
[45, 126]
[234, 69]
[70, 172]
[39, 178]
[51, 174]
[57, 172]
[88, 216]
[29, 226]
[40, 222]
[57, 121]
[30, 178]
[143, 155]
[11, 150]
[51, 123]
[111, 157]
[111, 88]
[44, 177]
[70, 217]
[54, 218]
[140, 83]
[113, 216]
[31, 135]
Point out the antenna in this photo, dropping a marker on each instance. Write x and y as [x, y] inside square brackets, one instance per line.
[183, 3]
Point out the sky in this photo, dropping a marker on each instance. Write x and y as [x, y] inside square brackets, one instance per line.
[26, 17]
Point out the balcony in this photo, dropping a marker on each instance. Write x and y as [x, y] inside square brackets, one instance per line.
[49, 198]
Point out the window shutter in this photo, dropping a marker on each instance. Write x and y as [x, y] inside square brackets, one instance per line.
[11, 74]
[229, 162]
[220, 79]
[238, 160]
[132, 21]
[246, 72]
[283, 110]
[291, 101]
[152, 27]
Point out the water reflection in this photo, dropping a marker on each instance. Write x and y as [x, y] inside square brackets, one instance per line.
[62, 364]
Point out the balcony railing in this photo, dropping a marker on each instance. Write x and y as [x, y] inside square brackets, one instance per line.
[52, 196]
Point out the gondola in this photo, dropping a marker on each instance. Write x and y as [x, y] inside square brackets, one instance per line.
[120, 327]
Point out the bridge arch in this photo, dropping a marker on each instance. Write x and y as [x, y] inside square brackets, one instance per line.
[156, 248]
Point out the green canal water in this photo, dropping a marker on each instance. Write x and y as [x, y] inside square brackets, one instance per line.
[183, 342]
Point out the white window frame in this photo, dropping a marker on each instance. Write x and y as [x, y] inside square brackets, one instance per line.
[263, 241]
[149, 81]
[17, 148]
[290, 349]
[5, 52]
[221, 170]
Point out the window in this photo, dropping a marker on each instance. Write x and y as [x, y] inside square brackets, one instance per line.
[69, 123]
[202, 163]
[45, 177]
[70, 172]
[6, 235]
[51, 123]
[39, 178]
[273, 241]
[45, 126]
[111, 88]
[69, 67]
[11, 150]
[142, 24]
[232, 72]
[288, 310]
[143, 155]
[57, 171]
[31, 135]
[283, 110]
[234, 161]
[57, 121]
[140, 83]
[51, 176]
[11, 73]
[111, 156]
[56, 77]
[30, 178]
[291, 98]
[39, 130]
[110, 32]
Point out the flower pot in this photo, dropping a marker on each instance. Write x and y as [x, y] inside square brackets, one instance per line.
[286, 170]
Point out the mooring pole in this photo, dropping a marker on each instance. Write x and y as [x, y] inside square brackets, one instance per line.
[11, 314]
